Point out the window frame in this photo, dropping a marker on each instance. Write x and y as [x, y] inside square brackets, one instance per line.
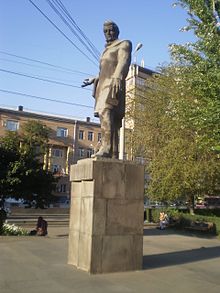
[81, 152]
[89, 152]
[57, 150]
[99, 136]
[12, 122]
[90, 135]
[81, 132]
[62, 132]
[56, 169]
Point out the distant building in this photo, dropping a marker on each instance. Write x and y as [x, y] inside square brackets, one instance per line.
[70, 140]
[136, 81]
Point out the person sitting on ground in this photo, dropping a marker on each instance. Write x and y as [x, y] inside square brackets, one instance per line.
[164, 220]
[41, 227]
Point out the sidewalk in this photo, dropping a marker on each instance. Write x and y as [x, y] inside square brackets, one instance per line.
[172, 263]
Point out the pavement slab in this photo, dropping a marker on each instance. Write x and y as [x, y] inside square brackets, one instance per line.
[171, 263]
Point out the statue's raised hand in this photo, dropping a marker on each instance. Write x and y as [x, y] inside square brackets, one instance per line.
[88, 81]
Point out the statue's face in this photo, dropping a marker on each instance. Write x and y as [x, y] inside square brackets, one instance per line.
[110, 33]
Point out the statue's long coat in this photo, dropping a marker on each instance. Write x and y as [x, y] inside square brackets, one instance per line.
[114, 63]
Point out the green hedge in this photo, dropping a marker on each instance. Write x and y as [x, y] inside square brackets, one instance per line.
[185, 218]
[153, 214]
[208, 212]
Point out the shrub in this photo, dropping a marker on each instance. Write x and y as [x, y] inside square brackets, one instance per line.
[208, 212]
[155, 213]
[13, 230]
[3, 216]
[185, 219]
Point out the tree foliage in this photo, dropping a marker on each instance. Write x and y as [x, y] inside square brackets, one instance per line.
[177, 114]
[21, 168]
[199, 66]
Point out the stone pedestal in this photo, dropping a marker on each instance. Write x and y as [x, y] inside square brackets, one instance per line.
[106, 215]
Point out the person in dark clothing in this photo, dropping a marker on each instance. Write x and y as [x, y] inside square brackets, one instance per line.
[41, 227]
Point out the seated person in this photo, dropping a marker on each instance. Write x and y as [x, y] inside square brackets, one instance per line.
[41, 227]
[164, 220]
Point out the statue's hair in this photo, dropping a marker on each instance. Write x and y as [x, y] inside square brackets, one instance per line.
[110, 22]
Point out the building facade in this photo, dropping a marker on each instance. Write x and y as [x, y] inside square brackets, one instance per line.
[69, 141]
[136, 82]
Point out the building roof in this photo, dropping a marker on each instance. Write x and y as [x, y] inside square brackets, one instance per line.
[146, 70]
[48, 116]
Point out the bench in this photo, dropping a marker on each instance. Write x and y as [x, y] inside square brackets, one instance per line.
[201, 226]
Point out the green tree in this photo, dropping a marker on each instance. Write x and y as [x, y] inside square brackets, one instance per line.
[22, 174]
[199, 67]
[9, 154]
[35, 137]
[177, 114]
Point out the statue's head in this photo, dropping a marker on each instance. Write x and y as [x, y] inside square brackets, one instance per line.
[111, 31]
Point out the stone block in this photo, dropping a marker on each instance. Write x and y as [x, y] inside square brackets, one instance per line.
[99, 216]
[86, 169]
[134, 181]
[137, 254]
[86, 215]
[96, 254]
[87, 188]
[124, 217]
[112, 184]
[76, 189]
[84, 252]
[75, 211]
[121, 253]
[73, 248]
[83, 171]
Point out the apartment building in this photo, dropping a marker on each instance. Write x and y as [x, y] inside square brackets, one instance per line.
[70, 140]
[136, 81]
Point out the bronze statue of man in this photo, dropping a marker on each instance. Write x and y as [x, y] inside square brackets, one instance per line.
[109, 89]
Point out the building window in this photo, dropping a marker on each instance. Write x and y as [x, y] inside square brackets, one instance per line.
[140, 160]
[62, 132]
[61, 188]
[12, 125]
[56, 168]
[57, 153]
[90, 135]
[81, 134]
[99, 136]
[89, 153]
[81, 152]
[140, 81]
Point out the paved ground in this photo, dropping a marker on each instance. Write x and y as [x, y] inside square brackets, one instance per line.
[172, 263]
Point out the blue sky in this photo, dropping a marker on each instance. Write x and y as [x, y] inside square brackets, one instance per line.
[25, 32]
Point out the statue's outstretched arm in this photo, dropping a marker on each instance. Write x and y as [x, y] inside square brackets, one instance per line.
[88, 81]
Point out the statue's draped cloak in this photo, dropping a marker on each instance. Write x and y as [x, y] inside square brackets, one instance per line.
[114, 64]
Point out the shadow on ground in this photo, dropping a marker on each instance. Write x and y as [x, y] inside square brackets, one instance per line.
[63, 235]
[179, 257]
